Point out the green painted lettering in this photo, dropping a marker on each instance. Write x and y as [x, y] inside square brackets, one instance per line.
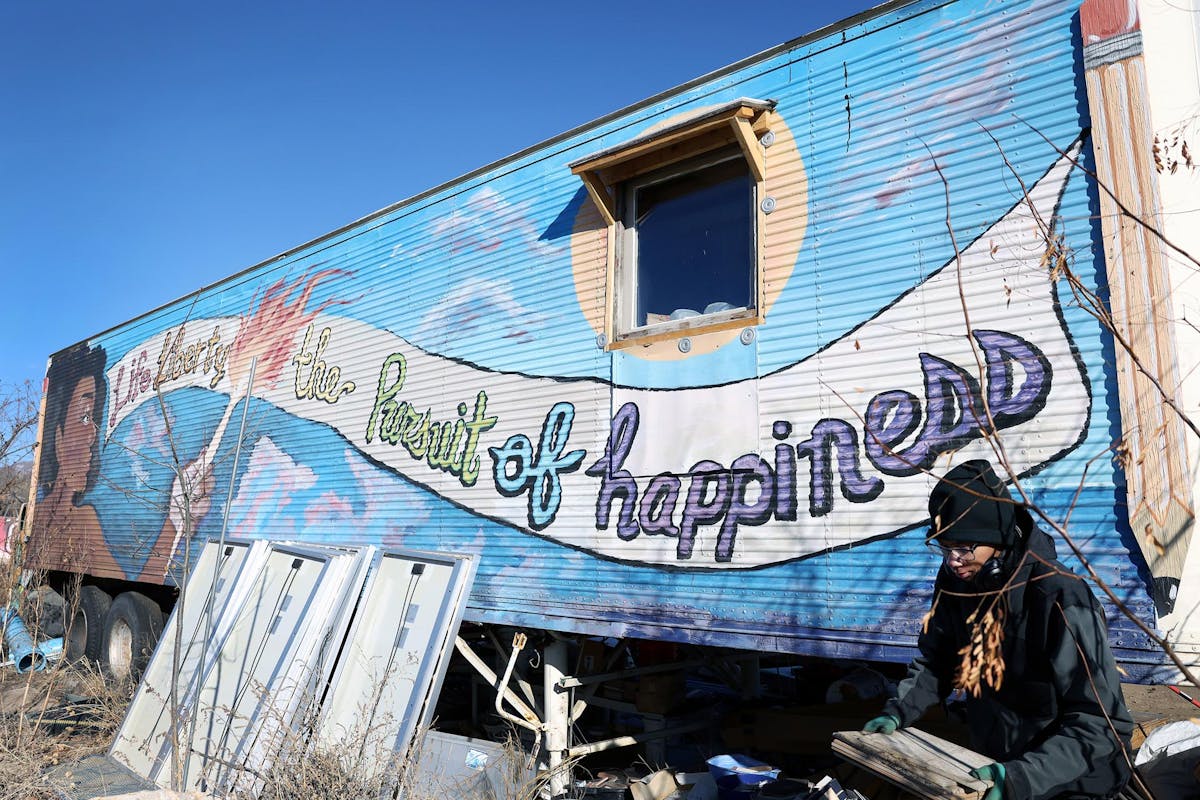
[386, 406]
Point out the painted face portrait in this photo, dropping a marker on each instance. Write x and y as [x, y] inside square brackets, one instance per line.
[75, 440]
[74, 409]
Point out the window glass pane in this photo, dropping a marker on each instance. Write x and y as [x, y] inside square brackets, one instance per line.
[695, 243]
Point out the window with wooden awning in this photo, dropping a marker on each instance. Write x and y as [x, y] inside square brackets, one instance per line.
[683, 203]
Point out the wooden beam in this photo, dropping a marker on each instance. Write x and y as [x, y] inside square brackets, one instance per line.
[600, 196]
[655, 142]
[750, 147]
[670, 154]
[1158, 475]
[761, 123]
[915, 761]
[680, 329]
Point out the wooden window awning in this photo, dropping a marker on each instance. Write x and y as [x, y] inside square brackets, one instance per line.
[739, 121]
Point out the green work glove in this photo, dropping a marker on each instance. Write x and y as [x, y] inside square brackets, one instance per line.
[995, 774]
[883, 724]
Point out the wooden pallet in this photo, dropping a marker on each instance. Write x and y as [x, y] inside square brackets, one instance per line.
[915, 761]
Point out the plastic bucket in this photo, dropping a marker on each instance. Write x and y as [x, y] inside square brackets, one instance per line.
[738, 776]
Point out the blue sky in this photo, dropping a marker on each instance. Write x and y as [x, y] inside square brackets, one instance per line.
[151, 148]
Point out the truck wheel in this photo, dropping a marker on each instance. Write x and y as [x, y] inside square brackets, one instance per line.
[85, 634]
[131, 629]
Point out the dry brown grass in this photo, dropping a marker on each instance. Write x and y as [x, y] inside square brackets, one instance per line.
[47, 718]
[324, 776]
[321, 776]
[304, 772]
[69, 712]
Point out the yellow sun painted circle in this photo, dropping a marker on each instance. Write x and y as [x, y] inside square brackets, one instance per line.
[781, 235]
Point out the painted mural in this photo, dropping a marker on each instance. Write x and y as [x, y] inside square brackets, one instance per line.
[742, 500]
[432, 376]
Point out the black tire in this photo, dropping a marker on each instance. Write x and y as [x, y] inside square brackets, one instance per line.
[85, 635]
[131, 630]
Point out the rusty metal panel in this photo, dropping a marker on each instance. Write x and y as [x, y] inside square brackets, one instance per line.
[436, 376]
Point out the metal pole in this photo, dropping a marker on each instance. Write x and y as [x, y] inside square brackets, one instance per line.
[557, 705]
[531, 719]
[517, 646]
[179, 773]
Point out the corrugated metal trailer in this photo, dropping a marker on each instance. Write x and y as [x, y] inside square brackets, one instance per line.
[687, 372]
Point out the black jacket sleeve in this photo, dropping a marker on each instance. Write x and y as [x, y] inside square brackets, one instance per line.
[1091, 734]
[930, 673]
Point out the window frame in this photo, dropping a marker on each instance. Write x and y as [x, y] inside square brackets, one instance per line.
[703, 139]
[627, 269]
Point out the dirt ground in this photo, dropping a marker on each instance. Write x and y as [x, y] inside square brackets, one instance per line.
[49, 718]
[1155, 706]
[1159, 702]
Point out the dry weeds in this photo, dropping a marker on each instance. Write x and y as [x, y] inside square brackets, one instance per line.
[52, 717]
[321, 776]
[70, 712]
[361, 766]
[982, 661]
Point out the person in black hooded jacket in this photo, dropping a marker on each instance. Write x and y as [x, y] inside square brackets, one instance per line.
[1056, 722]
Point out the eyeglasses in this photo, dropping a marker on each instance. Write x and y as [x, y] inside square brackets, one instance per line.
[964, 554]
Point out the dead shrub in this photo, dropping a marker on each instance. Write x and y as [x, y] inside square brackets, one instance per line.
[52, 717]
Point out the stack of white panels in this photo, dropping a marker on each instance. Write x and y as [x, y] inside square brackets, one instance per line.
[275, 647]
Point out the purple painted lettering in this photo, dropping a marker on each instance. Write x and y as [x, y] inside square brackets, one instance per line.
[657, 509]
[828, 435]
[1013, 405]
[890, 419]
[616, 482]
[707, 501]
[902, 434]
[746, 470]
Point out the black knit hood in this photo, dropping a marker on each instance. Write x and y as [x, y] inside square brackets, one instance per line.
[971, 504]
